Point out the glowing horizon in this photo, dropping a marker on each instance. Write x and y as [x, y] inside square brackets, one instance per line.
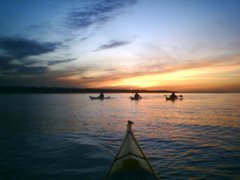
[218, 74]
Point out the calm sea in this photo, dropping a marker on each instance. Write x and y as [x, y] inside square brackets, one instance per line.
[69, 136]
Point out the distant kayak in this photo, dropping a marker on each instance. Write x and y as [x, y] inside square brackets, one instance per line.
[174, 98]
[130, 161]
[99, 98]
[135, 98]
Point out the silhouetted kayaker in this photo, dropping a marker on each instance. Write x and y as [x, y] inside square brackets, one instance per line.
[101, 95]
[137, 95]
[173, 96]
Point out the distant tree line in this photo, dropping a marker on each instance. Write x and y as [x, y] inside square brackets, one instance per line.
[12, 90]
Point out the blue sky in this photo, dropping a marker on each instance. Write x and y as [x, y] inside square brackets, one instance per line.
[121, 43]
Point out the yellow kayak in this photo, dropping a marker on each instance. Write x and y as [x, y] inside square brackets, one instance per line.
[130, 161]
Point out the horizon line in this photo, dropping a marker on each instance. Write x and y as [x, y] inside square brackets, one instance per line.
[54, 89]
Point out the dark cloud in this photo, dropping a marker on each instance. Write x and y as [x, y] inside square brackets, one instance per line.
[8, 67]
[95, 12]
[54, 62]
[21, 48]
[15, 56]
[15, 53]
[32, 70]
[112, 44]
[5, 63]
[23, 70]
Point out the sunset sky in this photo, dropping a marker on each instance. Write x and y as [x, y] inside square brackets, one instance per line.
[178, 45]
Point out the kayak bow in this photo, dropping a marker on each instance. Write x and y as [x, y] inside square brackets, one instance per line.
[130, 161]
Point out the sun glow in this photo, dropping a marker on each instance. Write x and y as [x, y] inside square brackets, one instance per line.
[196, 76]
[180, 77]
[158, 79]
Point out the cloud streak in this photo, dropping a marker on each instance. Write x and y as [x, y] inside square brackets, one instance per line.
[95, 12]
[54, 62]
[112, 44]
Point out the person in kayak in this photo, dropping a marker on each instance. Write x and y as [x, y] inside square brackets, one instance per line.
[101, 96]
[136, 96]
[173, 96]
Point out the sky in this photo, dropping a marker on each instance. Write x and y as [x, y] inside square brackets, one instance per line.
[177, 45]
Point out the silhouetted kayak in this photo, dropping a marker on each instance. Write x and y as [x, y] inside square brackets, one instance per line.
[135, 98]
[171, 98]
[174, 98]
[130, 161]
[99, 98]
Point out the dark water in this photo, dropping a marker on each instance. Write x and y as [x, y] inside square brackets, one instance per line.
[68, 136]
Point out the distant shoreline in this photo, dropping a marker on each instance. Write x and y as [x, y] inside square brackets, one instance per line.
[48, 90]
[62, 90]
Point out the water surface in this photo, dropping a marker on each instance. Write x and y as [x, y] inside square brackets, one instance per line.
[69, 136]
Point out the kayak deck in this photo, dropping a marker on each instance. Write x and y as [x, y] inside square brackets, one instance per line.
[130, 161]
